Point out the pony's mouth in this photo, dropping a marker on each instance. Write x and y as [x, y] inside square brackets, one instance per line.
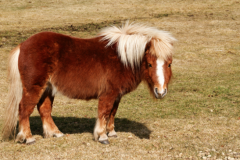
[160, 95]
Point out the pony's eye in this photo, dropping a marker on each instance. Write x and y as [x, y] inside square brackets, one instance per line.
[169, 65]
[149, 65]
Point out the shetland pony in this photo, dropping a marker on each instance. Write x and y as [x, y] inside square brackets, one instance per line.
[105, 67]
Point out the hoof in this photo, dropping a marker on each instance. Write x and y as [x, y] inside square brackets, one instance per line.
[53, 134]
[113, 136]
[58, 135]
[21, 138]
[104, 142]
[30, 141]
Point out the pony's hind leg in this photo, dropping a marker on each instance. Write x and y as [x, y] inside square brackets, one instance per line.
[110, 124]
[26, 107]
[45, 108]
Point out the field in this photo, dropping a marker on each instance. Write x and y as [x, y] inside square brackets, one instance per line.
[198, 119]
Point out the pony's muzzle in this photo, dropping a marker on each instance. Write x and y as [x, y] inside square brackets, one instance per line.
[160, 95]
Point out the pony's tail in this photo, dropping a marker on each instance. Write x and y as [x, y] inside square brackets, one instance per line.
[14, 96]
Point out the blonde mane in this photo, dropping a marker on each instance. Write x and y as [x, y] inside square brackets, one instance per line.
[132, 39]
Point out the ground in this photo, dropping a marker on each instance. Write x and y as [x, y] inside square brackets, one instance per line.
[200, 116]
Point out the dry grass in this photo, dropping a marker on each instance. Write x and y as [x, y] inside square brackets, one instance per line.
[199, 118]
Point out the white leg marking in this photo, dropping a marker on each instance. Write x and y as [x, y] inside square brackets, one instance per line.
[46, 131]
[96, 129]
[160, 74]
[99, 132]
[21, 136]
[49, 133]
[112, 133]
[103, 137]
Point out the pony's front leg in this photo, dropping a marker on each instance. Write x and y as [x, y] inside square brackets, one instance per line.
[110, 124]
[105, 106]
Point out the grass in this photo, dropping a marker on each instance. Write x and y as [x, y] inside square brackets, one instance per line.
[199, 117]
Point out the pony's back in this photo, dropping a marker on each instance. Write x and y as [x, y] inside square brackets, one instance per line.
[77, 68]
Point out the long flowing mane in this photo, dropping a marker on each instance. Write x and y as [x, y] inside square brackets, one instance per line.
[132, 39]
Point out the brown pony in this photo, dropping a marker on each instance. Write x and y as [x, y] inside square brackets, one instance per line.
[105, 67]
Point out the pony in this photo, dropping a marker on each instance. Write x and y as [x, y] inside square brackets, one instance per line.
[105, 67]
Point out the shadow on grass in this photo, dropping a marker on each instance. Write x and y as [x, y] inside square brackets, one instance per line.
[72, 125]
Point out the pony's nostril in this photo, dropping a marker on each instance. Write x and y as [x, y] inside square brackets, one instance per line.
[165, 92]
[156, 90]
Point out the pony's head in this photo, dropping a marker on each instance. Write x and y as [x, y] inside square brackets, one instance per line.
[156, 72]
[145, 48]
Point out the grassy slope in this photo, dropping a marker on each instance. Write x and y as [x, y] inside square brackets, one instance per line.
[200, 115]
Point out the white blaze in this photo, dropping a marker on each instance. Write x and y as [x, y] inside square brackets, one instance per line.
[160, 74]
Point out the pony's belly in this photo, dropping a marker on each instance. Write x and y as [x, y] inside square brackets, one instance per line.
[76, 91]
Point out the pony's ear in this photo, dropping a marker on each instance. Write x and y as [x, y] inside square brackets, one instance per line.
[147, 48]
